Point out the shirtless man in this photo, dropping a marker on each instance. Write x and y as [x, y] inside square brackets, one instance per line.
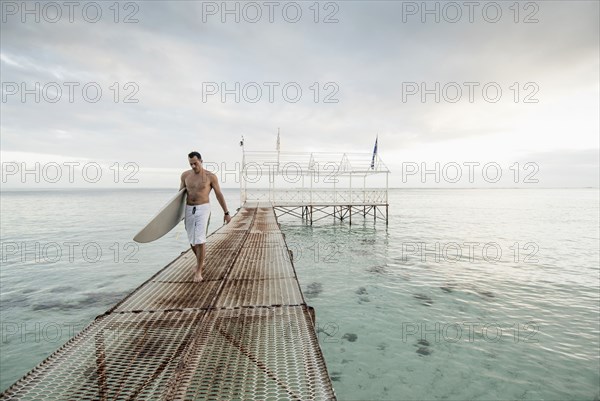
[198, 182]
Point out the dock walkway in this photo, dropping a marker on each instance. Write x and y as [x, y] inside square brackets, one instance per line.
[244, 333]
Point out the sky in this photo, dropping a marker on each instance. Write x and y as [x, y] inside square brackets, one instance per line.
[458, 94]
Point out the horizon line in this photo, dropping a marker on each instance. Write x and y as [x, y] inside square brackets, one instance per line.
[17, 189]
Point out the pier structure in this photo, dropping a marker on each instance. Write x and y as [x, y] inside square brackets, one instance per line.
[317, 185]
[244, 333]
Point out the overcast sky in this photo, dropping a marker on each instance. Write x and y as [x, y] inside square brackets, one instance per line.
[361, 69]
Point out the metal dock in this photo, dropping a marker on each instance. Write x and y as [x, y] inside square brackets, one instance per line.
[244, 333]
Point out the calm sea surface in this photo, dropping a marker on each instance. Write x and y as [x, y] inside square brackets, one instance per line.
[488, 294]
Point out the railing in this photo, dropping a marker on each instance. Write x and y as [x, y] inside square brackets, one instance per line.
[307, 196]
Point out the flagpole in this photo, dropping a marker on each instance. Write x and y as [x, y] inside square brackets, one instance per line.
[278, 148]
[374, 153]
[276, 172]
[242, 180]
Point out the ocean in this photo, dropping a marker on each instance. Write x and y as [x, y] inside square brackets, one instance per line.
[483, 294]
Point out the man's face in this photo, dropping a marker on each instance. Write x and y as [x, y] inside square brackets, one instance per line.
[195, 164]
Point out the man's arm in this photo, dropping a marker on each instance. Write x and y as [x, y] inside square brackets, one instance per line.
[182, 181]
[215, 184]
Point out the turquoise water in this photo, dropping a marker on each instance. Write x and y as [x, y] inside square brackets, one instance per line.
[502, 304]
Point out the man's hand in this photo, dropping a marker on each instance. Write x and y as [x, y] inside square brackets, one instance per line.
[227, 219]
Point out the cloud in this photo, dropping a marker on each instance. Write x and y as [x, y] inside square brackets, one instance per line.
[364, 62]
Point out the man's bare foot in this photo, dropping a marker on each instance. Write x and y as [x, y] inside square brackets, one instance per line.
[198, 277]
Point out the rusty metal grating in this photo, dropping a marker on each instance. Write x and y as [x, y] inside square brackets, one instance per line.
[161, 296]
[226, 240]
[118, 357]
[237, 224]
[256, 354]
[265, 239]
[272, 292]
[218, 260]
[243, 333]
[262, 262]
[265, 226]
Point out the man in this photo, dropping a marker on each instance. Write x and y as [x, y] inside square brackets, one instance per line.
[198, 182]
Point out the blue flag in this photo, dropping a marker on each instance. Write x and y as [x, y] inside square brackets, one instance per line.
[374, 154]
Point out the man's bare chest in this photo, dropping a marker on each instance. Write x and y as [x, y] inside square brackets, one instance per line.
[198, 182]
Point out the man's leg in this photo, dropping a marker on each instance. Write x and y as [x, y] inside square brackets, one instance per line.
[200, 251]
[198, 226]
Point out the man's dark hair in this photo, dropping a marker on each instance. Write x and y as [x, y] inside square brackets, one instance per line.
[195, 154]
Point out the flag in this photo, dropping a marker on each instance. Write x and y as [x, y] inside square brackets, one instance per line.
[278, 144]
[242, 141]
[374, 154]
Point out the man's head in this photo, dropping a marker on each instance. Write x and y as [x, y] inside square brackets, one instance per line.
[195, 161]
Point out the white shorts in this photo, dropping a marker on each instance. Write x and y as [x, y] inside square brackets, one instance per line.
[196, 222]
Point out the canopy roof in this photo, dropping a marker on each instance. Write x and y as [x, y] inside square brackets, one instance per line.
[314, 163]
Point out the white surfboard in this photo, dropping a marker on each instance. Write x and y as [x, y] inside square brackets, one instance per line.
[165, 220]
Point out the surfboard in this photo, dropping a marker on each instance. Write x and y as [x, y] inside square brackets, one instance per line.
[165, 220]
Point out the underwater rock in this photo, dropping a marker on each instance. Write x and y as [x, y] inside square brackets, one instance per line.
[50, 304]
[335, 376]
[425, 300]
[322, 330]
[91, 299]
[423, 351]
[57, 290]
[423, 342]
[361, 291]
[18, 301]
[377, 269]
[101, 298]
[350, 337]
[313, 289]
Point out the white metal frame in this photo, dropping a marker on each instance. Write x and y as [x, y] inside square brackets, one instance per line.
[312, 166]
